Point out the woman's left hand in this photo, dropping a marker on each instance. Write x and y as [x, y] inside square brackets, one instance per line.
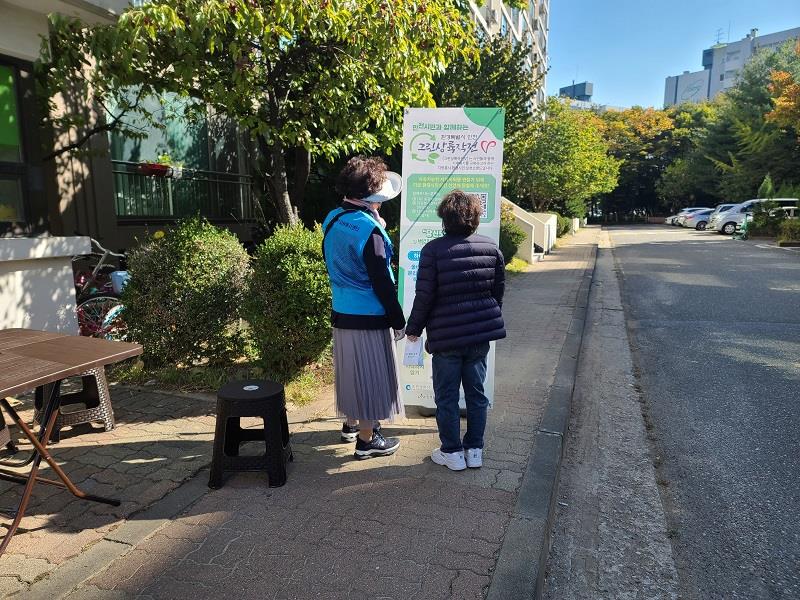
[399, 334]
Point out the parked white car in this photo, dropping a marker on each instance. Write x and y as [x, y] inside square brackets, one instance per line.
[727, 222]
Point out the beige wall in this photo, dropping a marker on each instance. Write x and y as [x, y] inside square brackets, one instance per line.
[23, 23]
[36, 284]
[21, 31]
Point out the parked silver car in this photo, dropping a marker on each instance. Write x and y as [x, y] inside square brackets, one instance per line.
[698, 219]
[674, 219]
[727, 222]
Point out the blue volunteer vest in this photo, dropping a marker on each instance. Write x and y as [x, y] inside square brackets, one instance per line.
[344, 246]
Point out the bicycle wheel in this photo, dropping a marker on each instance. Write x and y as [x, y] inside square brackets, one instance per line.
[101, 317]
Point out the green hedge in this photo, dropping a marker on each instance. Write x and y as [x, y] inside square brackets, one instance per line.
[289, 302]
[564, 225]
[767, 219]
[511, 236]
[183, 301]
[790, 231]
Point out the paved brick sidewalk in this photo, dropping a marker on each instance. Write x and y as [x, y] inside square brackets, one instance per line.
[399, 527]
[160, 441]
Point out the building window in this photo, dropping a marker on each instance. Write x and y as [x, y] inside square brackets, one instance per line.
[11, 154]
[204, 151]
[504, 26]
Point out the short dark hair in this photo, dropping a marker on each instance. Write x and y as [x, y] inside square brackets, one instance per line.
[361, 177]
[460, 212]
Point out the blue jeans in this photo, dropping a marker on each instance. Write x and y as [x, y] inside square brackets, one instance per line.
[451, 370]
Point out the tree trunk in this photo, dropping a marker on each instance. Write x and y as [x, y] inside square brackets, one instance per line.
[302, 169]
[278, 181]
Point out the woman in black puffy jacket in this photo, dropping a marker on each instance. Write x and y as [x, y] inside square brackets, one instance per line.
[459, 295]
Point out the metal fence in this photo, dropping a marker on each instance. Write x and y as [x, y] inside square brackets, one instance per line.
[187, 192]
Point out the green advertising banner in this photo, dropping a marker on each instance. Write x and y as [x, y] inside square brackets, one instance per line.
[444, 149]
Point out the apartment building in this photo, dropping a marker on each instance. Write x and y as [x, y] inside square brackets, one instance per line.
[722, 64]
[102, 192]
[529, 26]
[29, 186]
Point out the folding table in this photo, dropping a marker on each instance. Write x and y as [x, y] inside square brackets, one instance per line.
[31, 359]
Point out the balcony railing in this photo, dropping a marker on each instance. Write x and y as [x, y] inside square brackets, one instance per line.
[211, 194]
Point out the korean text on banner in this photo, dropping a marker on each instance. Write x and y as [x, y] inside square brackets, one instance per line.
[444, 149]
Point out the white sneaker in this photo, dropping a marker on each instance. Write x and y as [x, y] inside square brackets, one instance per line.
[474, 457]
[452, 460]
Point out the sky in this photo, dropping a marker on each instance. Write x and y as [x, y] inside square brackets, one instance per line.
[628, 47]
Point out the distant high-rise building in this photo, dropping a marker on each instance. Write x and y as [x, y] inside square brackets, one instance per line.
[529, 26]
[578, 91]
[579, 97]
[722, 64]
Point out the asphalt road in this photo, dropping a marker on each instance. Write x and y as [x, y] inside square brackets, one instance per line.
[715, 329]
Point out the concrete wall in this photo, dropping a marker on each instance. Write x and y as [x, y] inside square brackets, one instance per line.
[36, 283]
[546, 230]
[526, 250]
[21, 31]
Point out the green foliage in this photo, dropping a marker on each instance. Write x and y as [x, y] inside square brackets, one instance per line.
[767, 217]
[675, 185]
[511, 234]
[560, 160]
[563, 226]
[289, 301]
[788, 190]
[183, 300]
[790, 231]
[766, 189]
[330, 77]
[743, 144]
[644, 140]
[500, 77]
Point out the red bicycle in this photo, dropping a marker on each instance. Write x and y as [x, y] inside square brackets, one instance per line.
[98, 283]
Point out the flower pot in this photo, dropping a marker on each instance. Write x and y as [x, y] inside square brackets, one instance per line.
[154, 169]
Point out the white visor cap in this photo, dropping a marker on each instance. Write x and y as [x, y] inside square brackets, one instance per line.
[390, 189]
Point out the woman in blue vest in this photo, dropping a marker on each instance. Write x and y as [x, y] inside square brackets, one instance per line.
[358, 256]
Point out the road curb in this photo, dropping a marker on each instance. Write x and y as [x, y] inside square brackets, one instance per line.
[520, 569]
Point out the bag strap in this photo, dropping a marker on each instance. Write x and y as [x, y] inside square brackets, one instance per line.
[336, 218]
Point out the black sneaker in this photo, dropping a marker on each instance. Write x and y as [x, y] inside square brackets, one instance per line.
[377, 446]
[350, 432]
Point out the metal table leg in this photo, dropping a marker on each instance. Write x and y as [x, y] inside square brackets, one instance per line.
[51, 393]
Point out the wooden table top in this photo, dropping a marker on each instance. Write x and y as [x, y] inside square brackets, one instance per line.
[30, 358]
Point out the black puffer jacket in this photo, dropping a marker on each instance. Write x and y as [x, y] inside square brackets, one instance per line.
[460, 286]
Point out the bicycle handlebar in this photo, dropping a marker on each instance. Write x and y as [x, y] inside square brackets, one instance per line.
[104, 250]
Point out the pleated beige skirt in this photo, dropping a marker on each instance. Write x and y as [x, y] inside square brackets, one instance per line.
[366, 374]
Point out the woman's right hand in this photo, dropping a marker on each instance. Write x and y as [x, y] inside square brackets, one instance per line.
[412, 338]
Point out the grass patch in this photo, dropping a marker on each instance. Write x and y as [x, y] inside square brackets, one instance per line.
[301, 389]
[517, 266]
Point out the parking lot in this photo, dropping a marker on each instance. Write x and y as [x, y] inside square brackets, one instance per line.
[715, 328]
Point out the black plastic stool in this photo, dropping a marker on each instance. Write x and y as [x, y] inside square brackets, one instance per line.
[251, 398]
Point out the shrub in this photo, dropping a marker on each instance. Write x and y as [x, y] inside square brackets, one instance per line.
[289, 303]
[767, 219]
[511, 236]
[183, 300]
[564, 225]
[790, 231]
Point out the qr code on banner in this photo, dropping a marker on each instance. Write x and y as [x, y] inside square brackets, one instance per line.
[484, 197]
